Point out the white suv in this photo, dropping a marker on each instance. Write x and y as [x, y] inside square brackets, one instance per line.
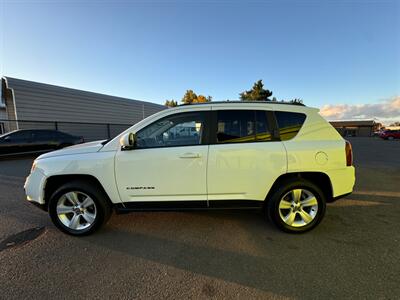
[283, 158]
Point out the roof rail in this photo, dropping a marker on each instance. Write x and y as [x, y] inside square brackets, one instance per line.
[244, 102]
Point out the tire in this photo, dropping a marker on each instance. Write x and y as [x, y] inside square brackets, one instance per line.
[79, 208]
[281, 205]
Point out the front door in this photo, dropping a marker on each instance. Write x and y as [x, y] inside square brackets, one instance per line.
[168, 163]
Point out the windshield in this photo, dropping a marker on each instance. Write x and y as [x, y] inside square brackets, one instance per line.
[5, 134]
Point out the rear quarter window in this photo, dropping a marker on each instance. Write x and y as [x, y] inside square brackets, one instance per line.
[289, 124]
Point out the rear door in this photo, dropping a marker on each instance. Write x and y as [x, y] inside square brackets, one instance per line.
[43, 140]
[245, 156]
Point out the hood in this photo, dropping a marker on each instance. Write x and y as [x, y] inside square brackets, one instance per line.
[76, 149]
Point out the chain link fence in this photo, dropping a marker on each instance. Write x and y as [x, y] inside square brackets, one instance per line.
[89, 131]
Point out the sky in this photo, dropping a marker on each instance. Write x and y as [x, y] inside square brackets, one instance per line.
[341, 56]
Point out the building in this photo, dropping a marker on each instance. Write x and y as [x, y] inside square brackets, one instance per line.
[363, 128]
[32, 105]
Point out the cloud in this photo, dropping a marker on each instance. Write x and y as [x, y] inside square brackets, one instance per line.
[387, 111]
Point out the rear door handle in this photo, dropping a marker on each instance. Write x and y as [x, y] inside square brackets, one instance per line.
[190, 155]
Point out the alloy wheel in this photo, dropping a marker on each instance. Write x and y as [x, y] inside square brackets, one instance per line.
[298, 207]
[76, 210]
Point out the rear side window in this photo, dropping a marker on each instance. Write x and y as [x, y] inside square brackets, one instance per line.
[289, 124]
[240, 126]
[61, 135]
[42, 135]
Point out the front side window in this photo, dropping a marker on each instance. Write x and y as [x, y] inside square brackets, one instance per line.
[238, 126]
[289, 124]
[184, 129]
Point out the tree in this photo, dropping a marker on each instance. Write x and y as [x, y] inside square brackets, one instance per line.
[170, 103]
[297, 101]
[189, 97]
[257, 93]
[395, 124]
[202, 99]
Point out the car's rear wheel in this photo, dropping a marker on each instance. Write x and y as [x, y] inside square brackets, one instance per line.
[78, 208]
[297, 206]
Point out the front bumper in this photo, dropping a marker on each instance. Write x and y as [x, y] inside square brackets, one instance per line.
[34, 187]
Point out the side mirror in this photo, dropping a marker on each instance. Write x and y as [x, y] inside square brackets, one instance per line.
[128, 141]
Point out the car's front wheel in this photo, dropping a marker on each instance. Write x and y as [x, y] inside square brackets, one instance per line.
[297, 206]
[79, 208]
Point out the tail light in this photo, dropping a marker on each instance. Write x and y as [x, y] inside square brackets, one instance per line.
[349, 154]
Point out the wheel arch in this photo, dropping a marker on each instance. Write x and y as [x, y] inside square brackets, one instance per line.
[54, 182]
[320, 179]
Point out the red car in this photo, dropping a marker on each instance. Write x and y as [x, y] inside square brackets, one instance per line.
[390, 134]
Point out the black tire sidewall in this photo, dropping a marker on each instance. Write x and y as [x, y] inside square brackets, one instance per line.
[273, 205]
[103, 209]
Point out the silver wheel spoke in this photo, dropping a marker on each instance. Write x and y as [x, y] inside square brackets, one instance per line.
[296, 194]
[309, 201]
[289, 219]
[285, 204]
[74, 223]
[63, 209]
[87, 202]
[89, 218]
[72, 197]
[305, 216]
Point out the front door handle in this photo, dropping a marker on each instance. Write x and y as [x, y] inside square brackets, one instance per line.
[190, 155]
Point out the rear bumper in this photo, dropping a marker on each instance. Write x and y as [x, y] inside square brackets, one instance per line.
[343, 181]
[34, 187]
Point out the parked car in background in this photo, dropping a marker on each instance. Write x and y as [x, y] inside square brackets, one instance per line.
[390, 134]
[377, 133]
[35, 140]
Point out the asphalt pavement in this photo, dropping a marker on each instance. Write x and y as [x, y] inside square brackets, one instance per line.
[354, 253]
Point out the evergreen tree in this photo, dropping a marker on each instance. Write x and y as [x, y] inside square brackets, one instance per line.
[257, 93]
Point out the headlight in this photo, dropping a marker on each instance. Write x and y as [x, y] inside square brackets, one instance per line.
[33, 166]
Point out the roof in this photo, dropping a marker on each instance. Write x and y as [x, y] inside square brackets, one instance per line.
[39, 101]
[12, 82]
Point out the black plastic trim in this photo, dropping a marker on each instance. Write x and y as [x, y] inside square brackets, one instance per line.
[339, 197]
[187, 205]
[38, 205]
[240, 204]
[160, 205]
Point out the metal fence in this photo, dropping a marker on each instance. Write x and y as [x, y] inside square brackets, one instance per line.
[89, 131]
